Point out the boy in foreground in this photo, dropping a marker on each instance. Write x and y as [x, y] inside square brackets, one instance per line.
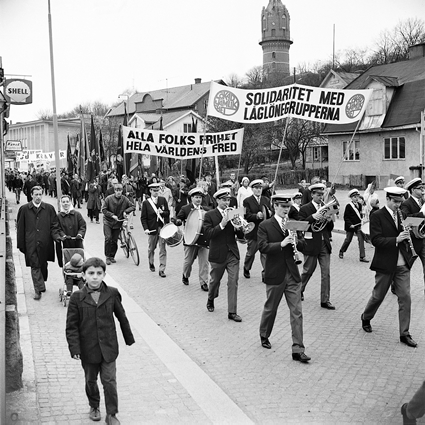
[92, 337]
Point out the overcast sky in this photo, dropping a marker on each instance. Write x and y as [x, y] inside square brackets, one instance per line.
[103, 47]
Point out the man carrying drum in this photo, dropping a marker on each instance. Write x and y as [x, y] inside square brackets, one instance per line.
[199, 246]
[155, 214]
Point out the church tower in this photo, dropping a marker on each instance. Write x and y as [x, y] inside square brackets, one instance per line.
[275, 39]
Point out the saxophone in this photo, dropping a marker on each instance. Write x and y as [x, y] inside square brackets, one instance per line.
[411, 253]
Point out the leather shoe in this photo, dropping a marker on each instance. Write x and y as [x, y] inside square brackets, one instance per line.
[265, 342]
[300, 357]
[210, 306]
[94, 414]
[407, 339]
[113, 260]
[108, 261]
[151, 267]
[341, 255]
[246, 273]
[204, 287]
[161, 273]
[112, 420]
[363, 260]
[185, 280]
[406, 419]
[366, 325]
[235, 317]
[302, 296]
[37, 295]
[327, 305]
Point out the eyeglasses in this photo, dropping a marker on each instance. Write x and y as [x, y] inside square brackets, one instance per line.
[118, 189]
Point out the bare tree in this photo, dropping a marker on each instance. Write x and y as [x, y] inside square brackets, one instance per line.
[235, 81]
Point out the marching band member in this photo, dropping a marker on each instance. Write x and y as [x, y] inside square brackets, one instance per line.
[228, 185]
[412, 207]
[223, 253]
[281, 275]
[318, 245]
[352, 225]
[254, 206]
[399, 182]
[391, 262]
[296, 205]
[200, 249]
[155, 214]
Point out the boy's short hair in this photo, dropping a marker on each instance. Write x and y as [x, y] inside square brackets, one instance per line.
[34, 188]
[95, 262]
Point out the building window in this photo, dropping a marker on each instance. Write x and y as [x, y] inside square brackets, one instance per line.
[283, 21]
[273, 55]
[273, 32]
[187, 128]
[316, 154]
[394, 148]
[376, 103]
[353, 153]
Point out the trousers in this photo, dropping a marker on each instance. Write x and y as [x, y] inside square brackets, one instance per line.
[190, 254]
[111, 240]
[153, 241]
[349, 238]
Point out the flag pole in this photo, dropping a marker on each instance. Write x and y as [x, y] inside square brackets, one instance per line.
[281, 146]
[55, 118]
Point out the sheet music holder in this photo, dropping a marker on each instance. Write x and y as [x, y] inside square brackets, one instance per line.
[412, 221]
[300, 226]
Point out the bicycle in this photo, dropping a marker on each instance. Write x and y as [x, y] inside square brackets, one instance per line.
[128, 244]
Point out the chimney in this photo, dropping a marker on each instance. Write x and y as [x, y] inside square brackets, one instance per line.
[197, 80]
[417, 51]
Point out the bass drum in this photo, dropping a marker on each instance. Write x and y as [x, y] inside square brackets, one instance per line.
[172, 235]
[193, 231]
[365, 229]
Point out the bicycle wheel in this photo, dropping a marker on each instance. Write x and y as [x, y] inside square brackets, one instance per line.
[133, 250]
[124, 245]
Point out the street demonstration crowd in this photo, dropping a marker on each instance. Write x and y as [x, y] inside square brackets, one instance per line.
[279, 226]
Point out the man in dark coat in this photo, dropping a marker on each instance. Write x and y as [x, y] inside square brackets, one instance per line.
[223, 254]
[28, 185]
[281, 275]
[352, 225]
[391, 262]
[257, 209]
[76, 186]
[92, 337]
[318, 247]
[412, 207]
[37, 228]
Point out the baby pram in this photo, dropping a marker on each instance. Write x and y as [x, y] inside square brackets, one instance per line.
[72, 272]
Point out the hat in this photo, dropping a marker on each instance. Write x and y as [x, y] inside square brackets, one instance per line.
[317, 186]
[283, 198]
[226, 184]
[222, 193]
[413, 184]
[244, 178]
[256, 182]
[297, 195]
[154, 186]
[196, 191]
[395, 193]
[353, 192]
[399, 178]
[76, 260]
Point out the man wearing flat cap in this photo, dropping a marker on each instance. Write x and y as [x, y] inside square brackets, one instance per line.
[257, 209]
[281, 275]
[392, 262]
[352, 225]
[318, 247]
[413, 207]
[223, 254]
[199, 249]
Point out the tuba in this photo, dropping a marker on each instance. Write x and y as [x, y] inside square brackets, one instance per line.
[321, 222]
[240, 223]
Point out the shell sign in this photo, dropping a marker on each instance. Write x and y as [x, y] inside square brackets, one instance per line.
[18, 91]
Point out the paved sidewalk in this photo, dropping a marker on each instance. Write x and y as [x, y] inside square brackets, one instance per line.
[191, 366]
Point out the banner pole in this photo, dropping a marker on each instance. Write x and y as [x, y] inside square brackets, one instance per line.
[202, 145]
[217, 173]
[281, 146]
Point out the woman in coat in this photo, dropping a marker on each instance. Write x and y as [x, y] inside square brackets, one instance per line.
[93, 203]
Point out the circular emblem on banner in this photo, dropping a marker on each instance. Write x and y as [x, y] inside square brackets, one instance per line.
[226, 103]
[354, 106]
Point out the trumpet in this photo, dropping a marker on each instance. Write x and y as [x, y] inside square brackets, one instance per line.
[321, 222]
[240, 223]
[292, 233]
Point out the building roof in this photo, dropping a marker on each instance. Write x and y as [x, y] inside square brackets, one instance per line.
[344, 77]
[408, 80]
[172, 98]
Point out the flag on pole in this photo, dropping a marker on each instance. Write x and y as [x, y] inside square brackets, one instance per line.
[101, 147]
[82, 149]
[120, 148]
[93, 167]
[69, 158]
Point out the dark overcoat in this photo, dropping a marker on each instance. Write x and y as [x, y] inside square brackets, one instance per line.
[37, 228]
[90, 327]
[252, 208]
[93, 201]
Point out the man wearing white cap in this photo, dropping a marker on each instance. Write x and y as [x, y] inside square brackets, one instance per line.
[391, 262]
[296, 206]
[155, 215]
[257, 209]
[318, 247]
[281, 275]
[223, 254]
[413, 207]
[200, 248]
[399, 182]
[352, 225]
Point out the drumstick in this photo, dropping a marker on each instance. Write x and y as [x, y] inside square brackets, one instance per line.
[151, 231]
